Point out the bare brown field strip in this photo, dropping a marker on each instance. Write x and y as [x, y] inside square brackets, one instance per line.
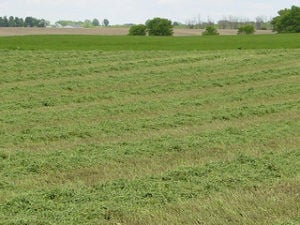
[103, 31]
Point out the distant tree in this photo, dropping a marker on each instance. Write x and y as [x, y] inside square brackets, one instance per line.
[138, 30]
[288, 20]
[246, 29]
[42, 23]
[105, 22]
[96, 22]
[233, 22]
[5, 22]
[222, 24]
[34, 22]
[159, 27]
[29, 22]
[176, 24]
[88, 23]
[259, 23]
[197, 23]
[69, 23]
[11, 21]
[19, 22]
[191, 23]
[63, 22]
[210, 30]
[2, 22]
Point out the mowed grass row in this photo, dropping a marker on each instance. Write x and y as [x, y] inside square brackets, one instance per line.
[150, 137]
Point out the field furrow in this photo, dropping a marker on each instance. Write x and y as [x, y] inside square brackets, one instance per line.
[149, 137]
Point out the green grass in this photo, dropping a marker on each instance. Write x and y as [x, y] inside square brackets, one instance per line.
[149, 137]
[117, 43]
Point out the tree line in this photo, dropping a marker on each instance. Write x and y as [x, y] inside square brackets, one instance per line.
[29, 21]
[288, 21]
[164, 27]
[20, 22]
[230, 22]
[86, 23]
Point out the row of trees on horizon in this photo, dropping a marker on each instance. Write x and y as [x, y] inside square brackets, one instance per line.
[229, 22]
[20, 22]
[288, 21]
[86, 23]
[163, 27]
[29, 21]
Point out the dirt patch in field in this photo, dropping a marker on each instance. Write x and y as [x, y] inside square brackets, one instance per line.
[193, 32]
[102, 31]
[41, 31]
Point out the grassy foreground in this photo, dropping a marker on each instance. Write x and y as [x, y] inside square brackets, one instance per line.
[149, 137]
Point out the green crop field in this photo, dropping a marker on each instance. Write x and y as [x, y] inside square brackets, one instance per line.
[119, 43]
[134, 131]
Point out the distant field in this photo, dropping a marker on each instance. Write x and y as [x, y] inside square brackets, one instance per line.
[104, 31]
[97, 130]
[117, 43]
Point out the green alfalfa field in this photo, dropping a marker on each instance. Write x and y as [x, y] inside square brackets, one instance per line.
[133, 131]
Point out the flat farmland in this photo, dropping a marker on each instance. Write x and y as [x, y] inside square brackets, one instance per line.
[149, 136]
[20, 31]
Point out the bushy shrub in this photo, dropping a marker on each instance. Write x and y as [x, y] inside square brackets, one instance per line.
[247, 29]
[138, 30]
[159, 27]
[210, 30]
[288, 21]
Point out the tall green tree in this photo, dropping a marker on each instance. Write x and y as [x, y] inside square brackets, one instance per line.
[29, 22]
[1, 22]
[19, 22]
[11, 21]
[105, 22]
[288, 20]
[42, 23]
[96, 22]
[159, 27]
[5, 22]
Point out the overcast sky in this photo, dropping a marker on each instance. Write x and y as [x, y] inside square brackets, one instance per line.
[138, 11]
